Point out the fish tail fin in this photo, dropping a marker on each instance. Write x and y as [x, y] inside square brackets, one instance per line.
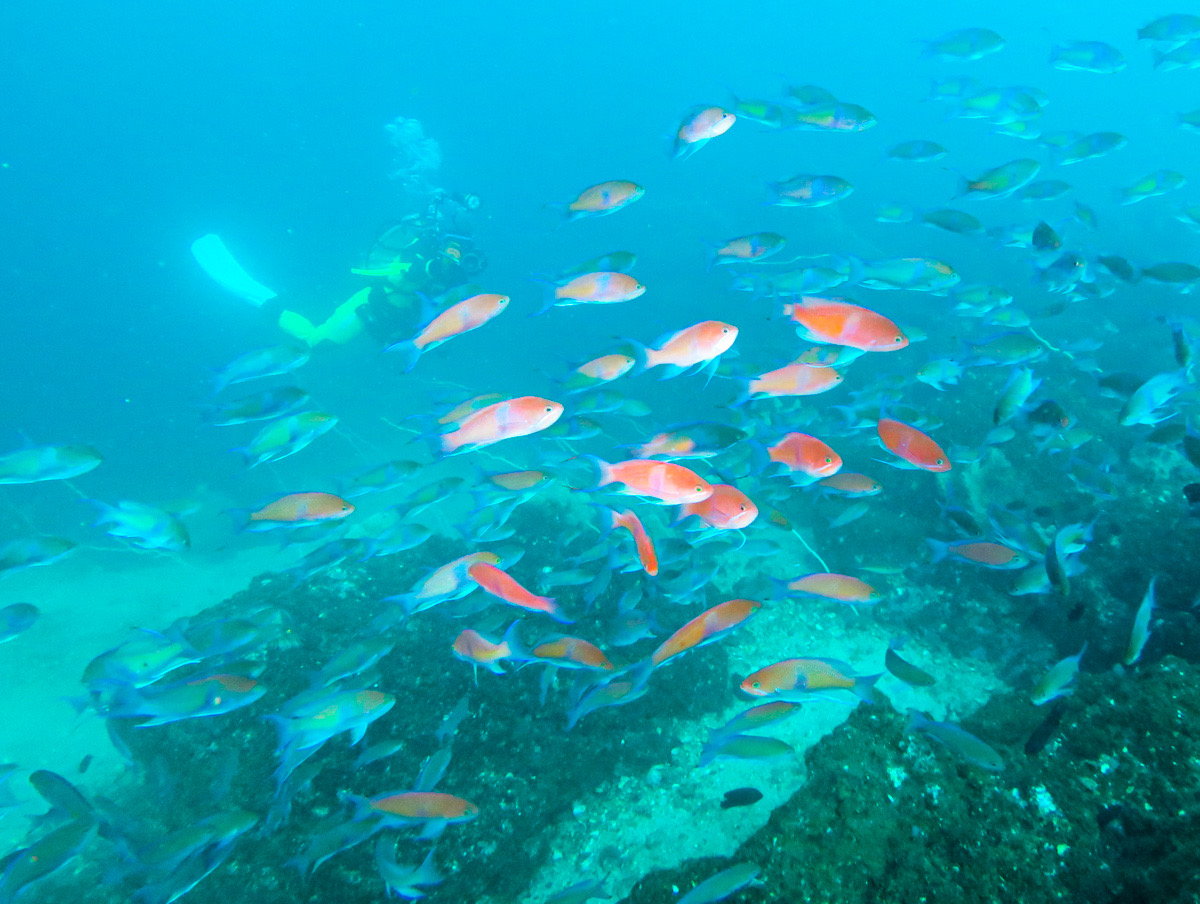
[408, 353]
[241, 518]
[938, 550]
[517, 650]
[601, 474]
[915, 721]
[864, 687]
[549, 299]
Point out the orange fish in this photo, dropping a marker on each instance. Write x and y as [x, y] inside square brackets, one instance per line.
[795, 679]
[699, 126]
[471, 646]
[501, 420]
[840, 587]
[304, 508]
[469, 314]
[645, 547]
[604, 369]
[806, 455]
[602, 287]
[837, 322]
[793, 380]
[669, 483]
[850, 484]
[913, 446]
[414, 808]
[502, 586]
[728, 508]
[696, 345]
[605, 198]
[572, 652]
[706, 627]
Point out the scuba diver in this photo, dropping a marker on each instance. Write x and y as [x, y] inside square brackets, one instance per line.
[423, 256]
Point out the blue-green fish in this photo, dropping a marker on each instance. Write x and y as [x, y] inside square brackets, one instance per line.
[1087, 56]
[722, 885]
[1001, 181]
[1043, 190]
[16, 619]
[263, 362]
[145, 526]
[1185, 56]
[745, 747]
[1158, 182]
[259, 407]
[1173, 29]
[1146, 404]
[913, 273]
[964, 44]
[953, 220]
[916, 151]
[1084, 147]
[29, 551]
[956, 739]
[39, 463]
[286, 436]
[809, 191]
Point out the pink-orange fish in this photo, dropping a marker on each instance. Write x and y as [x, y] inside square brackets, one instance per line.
[793, 380]
[645, 546]
[794, 679]
[837, 322]
[501, 585]
[699, 126]
[840, 587]
[669, 483]
[728, 508]
[304, 508]
[806, 455]
[471, 646]
[694, 346]
[415, 808]
[572, 652]
[912, 446]
[501, 420]
[602, 287]
[600, 370]
[605, 198]
[469, 314]
[706, 627]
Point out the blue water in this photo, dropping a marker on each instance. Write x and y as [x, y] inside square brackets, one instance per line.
[130, 132]
[128, 135]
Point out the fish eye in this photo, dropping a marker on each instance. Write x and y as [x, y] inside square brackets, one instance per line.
[940, 462]
[699, 489]
[828, 460]
[756, 685]
[549, 409]
[743, 508]
[899, 338]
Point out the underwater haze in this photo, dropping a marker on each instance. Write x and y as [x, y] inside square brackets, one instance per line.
[636, 452]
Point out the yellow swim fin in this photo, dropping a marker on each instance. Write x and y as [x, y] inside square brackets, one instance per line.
[299, 327]
[344, 323]
[395, 268]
